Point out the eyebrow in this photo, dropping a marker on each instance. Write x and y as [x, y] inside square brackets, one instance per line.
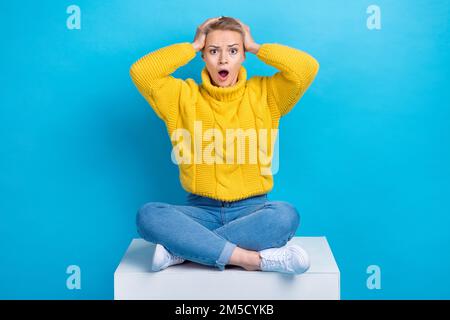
[235, 44]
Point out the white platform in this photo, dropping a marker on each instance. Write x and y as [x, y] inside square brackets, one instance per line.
[191, 281]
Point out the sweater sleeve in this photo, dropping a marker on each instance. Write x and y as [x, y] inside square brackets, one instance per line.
[152, 76]
[297, 71]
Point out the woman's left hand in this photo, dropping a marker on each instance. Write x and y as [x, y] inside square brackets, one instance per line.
[249, 43]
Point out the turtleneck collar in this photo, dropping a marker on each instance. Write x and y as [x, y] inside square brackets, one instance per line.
[225, 93]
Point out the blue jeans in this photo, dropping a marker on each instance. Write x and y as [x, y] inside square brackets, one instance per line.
[206, 230]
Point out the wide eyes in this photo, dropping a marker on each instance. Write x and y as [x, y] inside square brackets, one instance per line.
[232, 50]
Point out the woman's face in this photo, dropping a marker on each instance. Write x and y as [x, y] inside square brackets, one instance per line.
[223, 55]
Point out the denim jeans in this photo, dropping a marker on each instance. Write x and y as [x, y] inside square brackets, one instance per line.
[206, 230]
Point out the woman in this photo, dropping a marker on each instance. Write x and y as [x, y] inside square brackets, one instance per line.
[227, 219]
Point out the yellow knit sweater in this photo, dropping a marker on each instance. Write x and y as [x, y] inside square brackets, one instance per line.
[206, 112]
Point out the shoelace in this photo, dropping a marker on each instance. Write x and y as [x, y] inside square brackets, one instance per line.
[177, 258]
[276, 258]
[172, 257]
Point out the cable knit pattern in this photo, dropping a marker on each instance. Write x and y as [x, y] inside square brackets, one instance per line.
[256, 103]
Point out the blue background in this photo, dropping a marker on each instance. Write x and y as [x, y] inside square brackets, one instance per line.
[364, 155]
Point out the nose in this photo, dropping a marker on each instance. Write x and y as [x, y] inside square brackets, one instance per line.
[222, 58]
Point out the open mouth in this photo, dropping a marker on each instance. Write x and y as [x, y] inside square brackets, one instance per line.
[223, 75]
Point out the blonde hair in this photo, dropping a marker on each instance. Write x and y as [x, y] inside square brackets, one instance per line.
[225, 23]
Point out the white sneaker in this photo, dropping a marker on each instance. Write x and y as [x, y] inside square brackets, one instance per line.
[163, 258]
[290, 259]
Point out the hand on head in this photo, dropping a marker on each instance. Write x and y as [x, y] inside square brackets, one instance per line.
[249, 43]
[200, 36]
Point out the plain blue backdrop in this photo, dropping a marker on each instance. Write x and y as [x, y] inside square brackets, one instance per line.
[364, 155]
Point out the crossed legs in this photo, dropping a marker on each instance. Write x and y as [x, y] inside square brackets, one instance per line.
[192, 232]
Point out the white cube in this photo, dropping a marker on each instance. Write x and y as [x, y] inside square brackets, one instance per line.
[133, 278]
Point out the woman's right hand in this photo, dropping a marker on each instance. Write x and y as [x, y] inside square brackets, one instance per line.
[200, 36]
